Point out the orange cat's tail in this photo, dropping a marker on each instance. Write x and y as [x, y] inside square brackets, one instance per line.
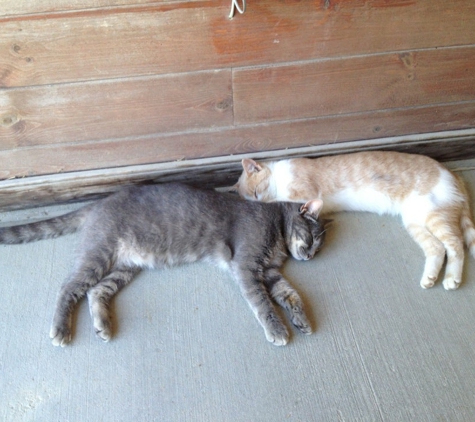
[466, 222]
[468, 229]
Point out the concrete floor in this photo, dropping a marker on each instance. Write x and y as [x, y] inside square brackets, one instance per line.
[187, 348]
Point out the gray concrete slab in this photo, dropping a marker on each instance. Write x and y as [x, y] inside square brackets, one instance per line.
[187, 348]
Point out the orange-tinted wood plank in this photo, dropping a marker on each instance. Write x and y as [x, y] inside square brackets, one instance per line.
[354, 85]
[52, 159]
[11, 8]
[190, 36]
[119, 108]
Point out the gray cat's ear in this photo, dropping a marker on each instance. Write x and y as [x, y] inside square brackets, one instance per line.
[250, 166]
[312, 207]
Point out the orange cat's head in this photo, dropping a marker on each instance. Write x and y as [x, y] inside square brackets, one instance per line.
[254, 181]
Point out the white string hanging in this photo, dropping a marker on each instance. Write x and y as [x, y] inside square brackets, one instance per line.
[235, 5]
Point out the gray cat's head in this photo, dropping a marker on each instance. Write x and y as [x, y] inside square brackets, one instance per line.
[306, 233]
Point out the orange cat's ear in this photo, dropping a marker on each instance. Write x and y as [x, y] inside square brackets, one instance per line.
[250, 166]
[312, 207]
[233, 188]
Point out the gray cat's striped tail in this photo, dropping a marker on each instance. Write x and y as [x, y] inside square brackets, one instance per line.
[45, 229]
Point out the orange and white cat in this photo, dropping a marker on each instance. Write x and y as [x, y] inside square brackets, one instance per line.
[432, 201]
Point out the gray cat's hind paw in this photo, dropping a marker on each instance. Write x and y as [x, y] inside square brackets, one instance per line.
[60, 336]
[104, 333]
[278, 335]
[302, 324]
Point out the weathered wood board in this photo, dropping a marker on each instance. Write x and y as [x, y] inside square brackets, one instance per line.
[57, 158]
[90, 85]
[386, 81]
[95, 111]
[183, 36]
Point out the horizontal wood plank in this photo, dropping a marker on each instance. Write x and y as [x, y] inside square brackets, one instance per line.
[118, 108]
[405, 79]
[11, 8]
[189, 36]
[221, 171]
[52, 159]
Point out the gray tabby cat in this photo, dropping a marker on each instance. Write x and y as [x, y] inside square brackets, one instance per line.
[158, 225]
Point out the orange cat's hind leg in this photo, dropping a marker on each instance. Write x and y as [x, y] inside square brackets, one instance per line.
[446, 227]
[434, 252]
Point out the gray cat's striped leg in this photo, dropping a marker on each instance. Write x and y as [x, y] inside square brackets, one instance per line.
[256, 295]
[287, 297]
[100, 296]
[81, 280]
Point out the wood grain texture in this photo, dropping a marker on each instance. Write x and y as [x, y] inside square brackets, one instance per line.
[118, 108]
[187, 36]
[94, 85]
[226, 141]
[10, 8]
[354, 84]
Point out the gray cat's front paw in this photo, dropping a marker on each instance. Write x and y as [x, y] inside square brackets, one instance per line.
[60, 335]
[103, 331]
[300, 321]
[277, 334]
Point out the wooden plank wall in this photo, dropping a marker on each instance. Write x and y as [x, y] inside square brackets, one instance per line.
[101, 84]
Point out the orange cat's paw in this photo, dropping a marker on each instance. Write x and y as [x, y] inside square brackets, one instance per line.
[450, 283]
[428, 282]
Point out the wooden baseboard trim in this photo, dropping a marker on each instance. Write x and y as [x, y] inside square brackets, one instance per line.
[213, 172]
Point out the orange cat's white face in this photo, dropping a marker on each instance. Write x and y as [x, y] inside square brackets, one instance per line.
[254, 181]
